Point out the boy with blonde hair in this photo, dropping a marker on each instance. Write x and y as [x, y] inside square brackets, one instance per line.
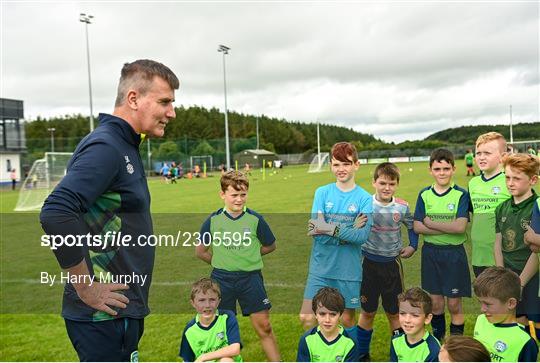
[212, 335]
[513, 218]
[498, 290]
[238, 238]
[486, 191]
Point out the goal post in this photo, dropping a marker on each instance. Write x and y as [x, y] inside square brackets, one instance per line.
[319, 163]
[41, 180]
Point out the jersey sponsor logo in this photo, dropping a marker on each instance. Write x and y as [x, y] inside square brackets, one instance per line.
[130, 169]
[126, 158]
[220, 335]
[396, 217]
[266, 301]
[352, 208]
[496, 190]
[500, 346]
[451, 207]
[509, 243]
[328, 205]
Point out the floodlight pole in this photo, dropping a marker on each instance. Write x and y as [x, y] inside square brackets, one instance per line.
[511, 127]
[225, 50]
[87, 19]
[52, 130]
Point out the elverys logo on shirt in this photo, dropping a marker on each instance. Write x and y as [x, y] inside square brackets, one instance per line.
[328, 205]
[451, 207]
[496, 190]
[220, 335]
[352, 208]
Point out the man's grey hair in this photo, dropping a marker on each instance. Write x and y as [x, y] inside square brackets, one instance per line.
[140, 74]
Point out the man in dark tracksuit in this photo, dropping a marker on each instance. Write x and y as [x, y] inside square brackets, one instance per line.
[105, 190]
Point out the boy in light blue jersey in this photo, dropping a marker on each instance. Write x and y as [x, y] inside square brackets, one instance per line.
[336, 253]
[381, 266]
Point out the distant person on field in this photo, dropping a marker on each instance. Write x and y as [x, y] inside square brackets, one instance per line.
[460, 348]
[237, 265]
[441, 215]
[247, 169]
[213, 335]
[415, 344]
[512, 220]
[486, 191]
[531, 150]
[13, 177]
[498, 290]
[328, 341]
[337, 243]
[105, 190]
[164, 171]
[469, 162]
[382, 272]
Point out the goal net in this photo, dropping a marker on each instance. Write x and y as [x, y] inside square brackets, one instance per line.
[41, 180]
[319, 163]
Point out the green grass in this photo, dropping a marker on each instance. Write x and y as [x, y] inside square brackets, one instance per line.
[31, 328]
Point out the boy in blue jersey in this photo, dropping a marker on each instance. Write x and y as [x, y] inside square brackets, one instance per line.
[328, 341]
[382, 273]
[441, 215]
[212, 335]
[416, 344]
[498, 290]
[336, 253]
[532, 239]
[233, 240]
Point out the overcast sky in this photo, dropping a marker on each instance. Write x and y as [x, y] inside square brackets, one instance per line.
[397, 70]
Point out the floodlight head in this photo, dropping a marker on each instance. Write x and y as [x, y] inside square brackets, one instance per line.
[85, 18]
[224, 49]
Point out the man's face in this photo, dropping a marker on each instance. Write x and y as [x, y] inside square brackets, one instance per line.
[344, 170]
[234, 199]
[495, 310]
[328, 320]
[155, 108]
[412, 319]
[517, 182]
[206, 303]
[385, 187]
[488, 156]
[442, 171]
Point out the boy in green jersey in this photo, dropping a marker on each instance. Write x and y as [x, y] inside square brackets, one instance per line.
[469, 162]
[486, 191]
[498, 290]
[441, 215]
[416, 344]
[512, 220]
[328, 341]
[212, 335]
[233, 240]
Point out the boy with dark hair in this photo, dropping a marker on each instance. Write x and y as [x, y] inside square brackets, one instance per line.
[336, 253]
[238, 238]
[486, 191]
[382, 272]
[498, 290]
[328, 341]
[212, 335]
[416, 344]
[512, 219]
[441, 215]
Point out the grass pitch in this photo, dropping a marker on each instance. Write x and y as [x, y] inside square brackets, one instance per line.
[31, 328]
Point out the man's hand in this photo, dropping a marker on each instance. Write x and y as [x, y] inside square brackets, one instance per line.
[407, 252]
[360, 221]
[101, 296]
[427, 222]
[319, 226]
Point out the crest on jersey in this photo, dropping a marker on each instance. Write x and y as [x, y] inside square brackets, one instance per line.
[328, 205]
[339, 358]
[525, 223]
[220, 335]
[496, 190]
[352, 208]
[500, 346]
[396, 217]
[130, 169]
[451, 207]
